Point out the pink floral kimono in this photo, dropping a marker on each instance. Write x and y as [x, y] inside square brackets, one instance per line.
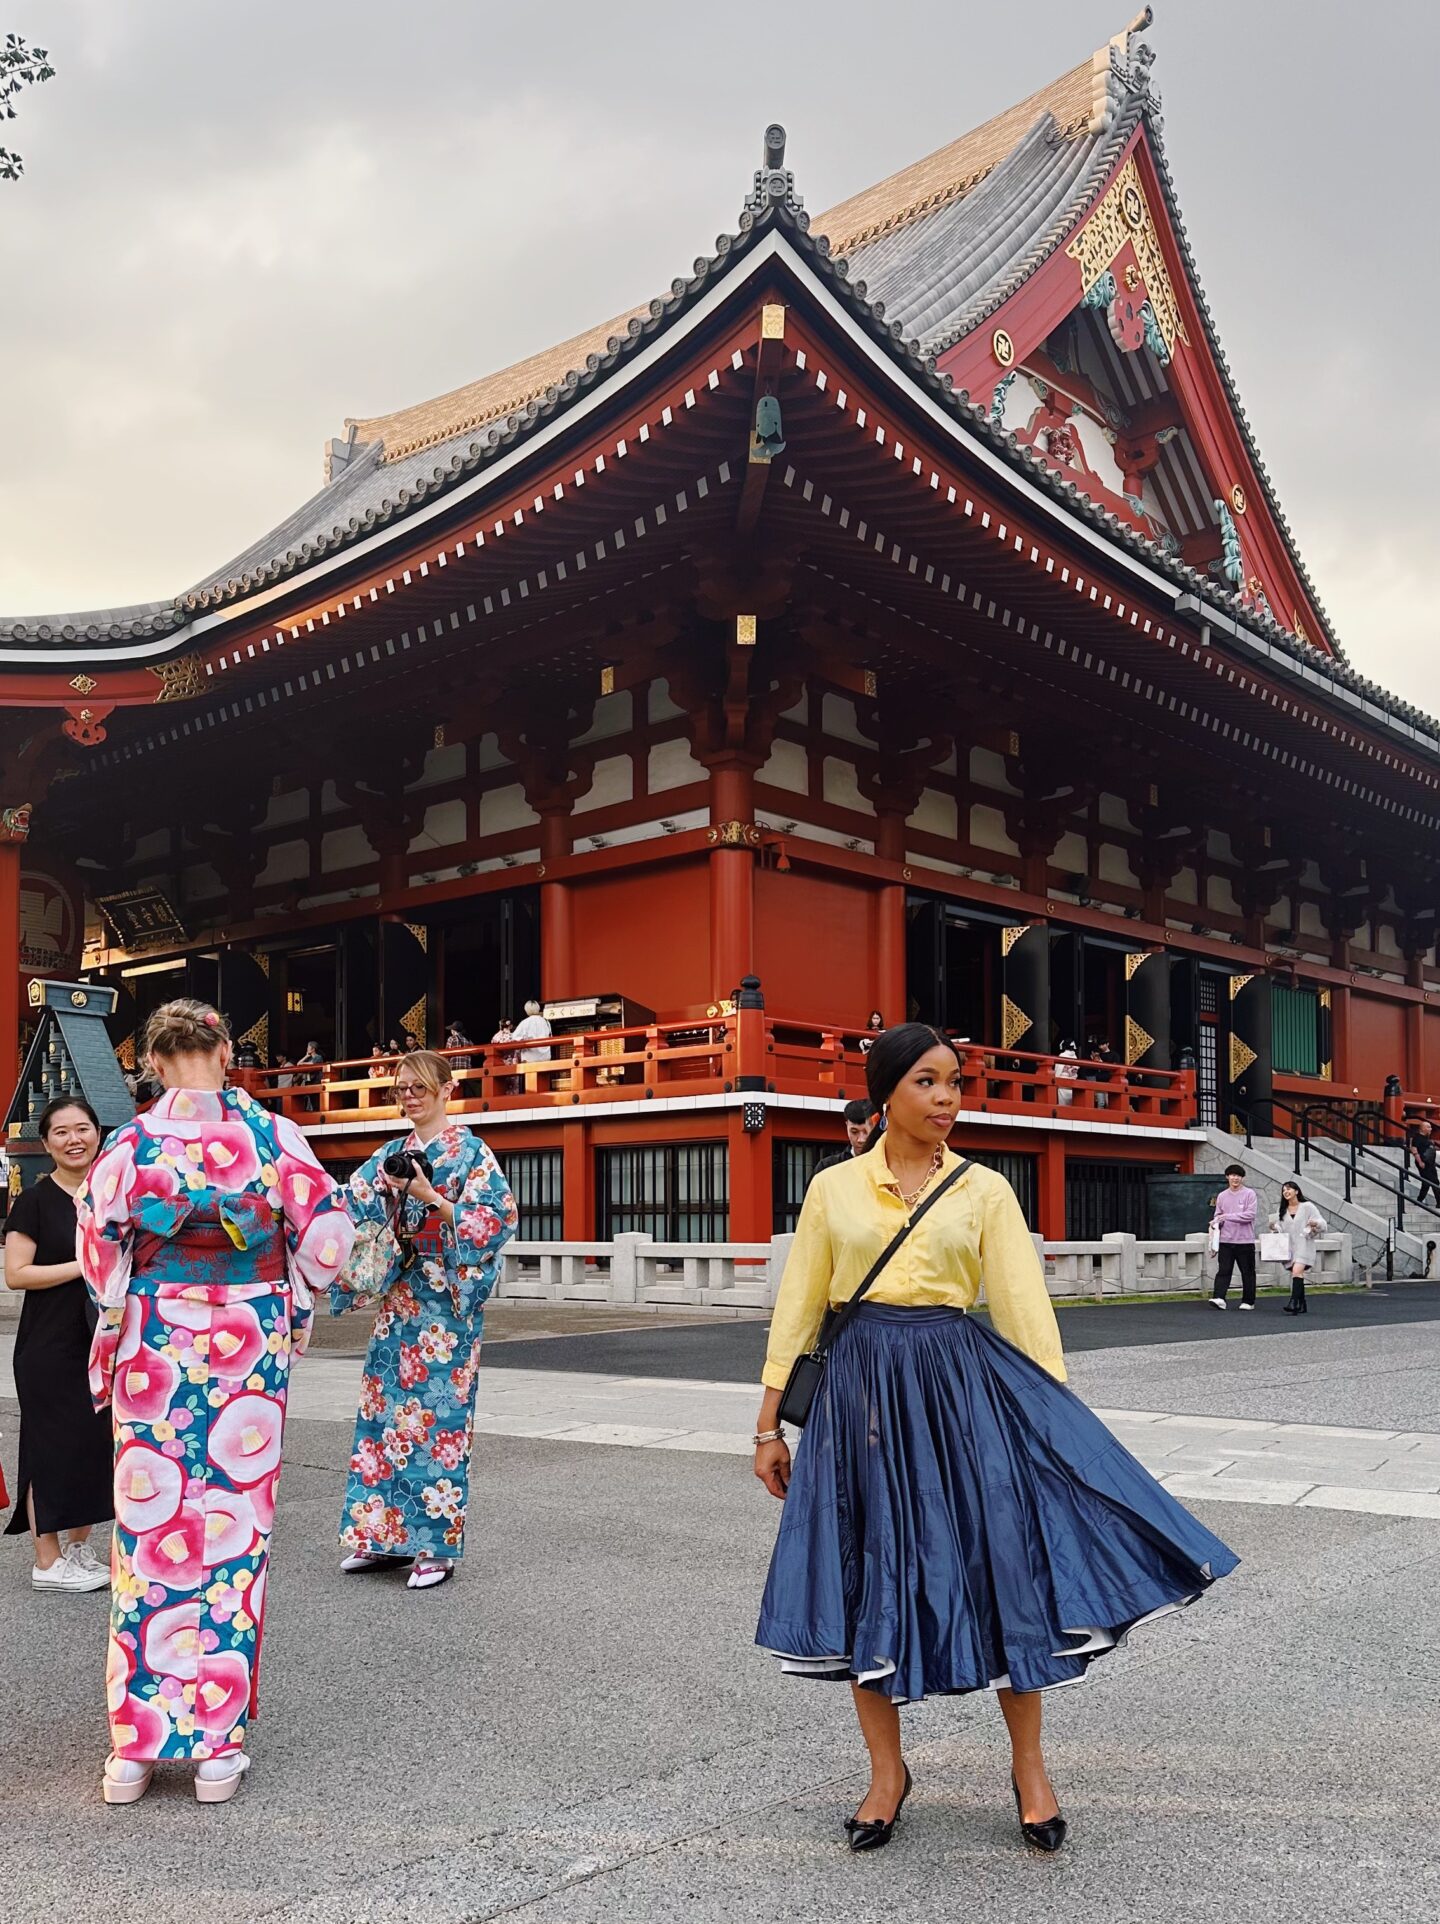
[203, 1228]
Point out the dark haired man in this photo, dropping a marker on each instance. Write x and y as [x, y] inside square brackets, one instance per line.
[1235, 1210]
[859, 1120]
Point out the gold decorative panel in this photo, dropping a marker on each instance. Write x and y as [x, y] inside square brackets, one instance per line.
[413, 1022]
[1010, 935]
[1241, 1056]
[1237, 983]
[421, 934]
[259, 1034]
[1137, 1041]
[1133, 961]
[1122, 216]
[1013, 1022]
[180, 680]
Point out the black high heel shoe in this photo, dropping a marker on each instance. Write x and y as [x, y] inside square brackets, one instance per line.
[1048, 1836]
[872, 1833]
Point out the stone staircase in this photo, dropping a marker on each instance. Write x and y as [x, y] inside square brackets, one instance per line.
[1366, 1218]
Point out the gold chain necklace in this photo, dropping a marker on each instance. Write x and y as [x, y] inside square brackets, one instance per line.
[930, 1174]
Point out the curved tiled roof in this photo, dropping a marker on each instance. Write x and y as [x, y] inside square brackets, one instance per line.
[1030, 198]
[940, 274]
[409, 430]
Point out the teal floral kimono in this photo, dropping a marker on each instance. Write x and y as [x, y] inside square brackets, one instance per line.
[410, 1466]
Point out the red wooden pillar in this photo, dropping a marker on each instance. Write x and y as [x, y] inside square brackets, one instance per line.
[1052, 1189]
[577, 1183]
[1340, 1038]
[732, 873]
[1415, 1067]
[557, 946]
[891, 991]
[10, 853]
[752, 1209]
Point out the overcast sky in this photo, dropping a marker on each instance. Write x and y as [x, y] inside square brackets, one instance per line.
[241, 223]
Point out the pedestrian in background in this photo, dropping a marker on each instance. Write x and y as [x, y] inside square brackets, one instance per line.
[308, 1072]
[859, 1120]
[1101, 1052]
[1300, 1222]
[1425, 1163]
[1236, 1208]
[64, 1487]
[1067, 1070]
[456, 1038]
[874, 1027]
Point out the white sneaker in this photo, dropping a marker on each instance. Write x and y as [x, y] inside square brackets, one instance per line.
[1247, 1306]
[1217, 1302]
[83, 1554]
[67, 1572]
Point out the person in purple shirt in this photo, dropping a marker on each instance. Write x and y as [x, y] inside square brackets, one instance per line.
[1235, 1210]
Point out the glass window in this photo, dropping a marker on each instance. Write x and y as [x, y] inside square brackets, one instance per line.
[677, 1192]
[536, 1179]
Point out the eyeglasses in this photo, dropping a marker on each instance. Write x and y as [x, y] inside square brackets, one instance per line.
[411, 1089]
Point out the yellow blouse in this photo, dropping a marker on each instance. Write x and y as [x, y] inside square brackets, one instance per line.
[976, 1230]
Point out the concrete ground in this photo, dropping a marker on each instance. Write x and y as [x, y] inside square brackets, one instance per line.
[579, 1731]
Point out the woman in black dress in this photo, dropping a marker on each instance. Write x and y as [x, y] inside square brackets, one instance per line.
[65, 1446]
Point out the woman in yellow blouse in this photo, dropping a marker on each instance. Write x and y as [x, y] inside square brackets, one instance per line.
[955, 1519]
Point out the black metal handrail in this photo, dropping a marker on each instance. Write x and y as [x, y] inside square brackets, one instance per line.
[1306, 1145]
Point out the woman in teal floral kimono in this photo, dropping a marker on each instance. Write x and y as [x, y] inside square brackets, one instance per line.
[430, 1251]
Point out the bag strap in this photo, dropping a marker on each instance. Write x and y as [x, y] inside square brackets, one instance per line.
[842, 1316]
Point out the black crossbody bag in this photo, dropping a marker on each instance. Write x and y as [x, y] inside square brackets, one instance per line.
[807, 1372]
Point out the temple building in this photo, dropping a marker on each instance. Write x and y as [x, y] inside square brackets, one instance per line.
[893, 614]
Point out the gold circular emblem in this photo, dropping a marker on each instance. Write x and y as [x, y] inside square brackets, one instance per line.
[78, 998]
[1002, 347]
[1237, 498]
[1132, 205]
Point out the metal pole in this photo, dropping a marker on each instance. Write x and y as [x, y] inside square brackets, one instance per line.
[1390, 1253]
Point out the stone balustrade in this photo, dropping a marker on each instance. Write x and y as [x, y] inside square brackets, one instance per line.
[636, 1272]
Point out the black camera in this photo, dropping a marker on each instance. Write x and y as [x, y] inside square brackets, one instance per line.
[404, 1165]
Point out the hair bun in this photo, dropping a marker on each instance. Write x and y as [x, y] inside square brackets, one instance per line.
[185, 1027]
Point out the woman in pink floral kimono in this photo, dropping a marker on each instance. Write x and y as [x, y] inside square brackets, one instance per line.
[204, 1227]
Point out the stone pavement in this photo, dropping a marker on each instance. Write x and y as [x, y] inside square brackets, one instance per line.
[579, 1731]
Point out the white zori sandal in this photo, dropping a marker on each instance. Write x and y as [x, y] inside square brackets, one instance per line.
[124, 1782]
[218, 1778]
[429, 1571]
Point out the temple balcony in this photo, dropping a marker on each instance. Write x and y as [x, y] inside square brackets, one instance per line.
[746, 1054]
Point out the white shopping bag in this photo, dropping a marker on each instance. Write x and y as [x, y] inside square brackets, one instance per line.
[1214, 1239]
[1274, 1248]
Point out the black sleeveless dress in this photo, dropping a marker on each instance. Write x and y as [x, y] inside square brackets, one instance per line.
[66, 1446]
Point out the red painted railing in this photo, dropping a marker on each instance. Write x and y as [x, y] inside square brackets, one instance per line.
[748, 1050]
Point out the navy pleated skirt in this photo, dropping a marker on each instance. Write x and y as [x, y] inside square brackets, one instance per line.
[957, 1520]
